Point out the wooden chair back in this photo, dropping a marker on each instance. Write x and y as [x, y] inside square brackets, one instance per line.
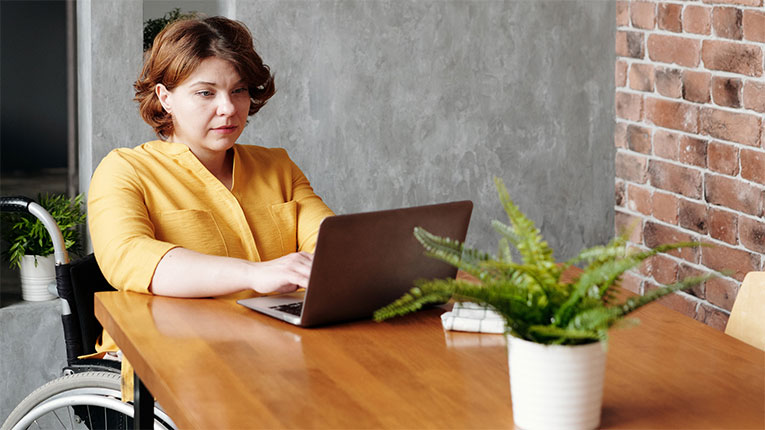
[747, 318]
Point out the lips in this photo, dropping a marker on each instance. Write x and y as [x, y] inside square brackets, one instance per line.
[225, 129]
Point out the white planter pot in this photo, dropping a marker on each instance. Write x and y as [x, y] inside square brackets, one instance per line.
[35, 279]
[554, 386]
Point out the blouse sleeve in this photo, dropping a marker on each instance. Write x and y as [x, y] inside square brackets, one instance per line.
[310, 212]
[121, 231]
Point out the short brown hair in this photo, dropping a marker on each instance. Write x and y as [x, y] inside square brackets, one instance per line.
[181, 47]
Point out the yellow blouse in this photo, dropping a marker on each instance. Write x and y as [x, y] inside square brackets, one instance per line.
[157, 196]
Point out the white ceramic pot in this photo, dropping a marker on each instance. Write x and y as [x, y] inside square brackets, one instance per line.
[35, 279]
[554, 386]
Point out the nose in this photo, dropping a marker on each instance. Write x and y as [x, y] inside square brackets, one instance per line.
[226, 106]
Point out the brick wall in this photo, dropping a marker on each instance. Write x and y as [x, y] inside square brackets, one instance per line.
[690, 143]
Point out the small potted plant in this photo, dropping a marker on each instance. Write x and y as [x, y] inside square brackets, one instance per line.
[30, 246]
[556, 328]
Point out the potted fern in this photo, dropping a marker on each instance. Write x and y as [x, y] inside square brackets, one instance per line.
[556, 328]
[30, 246]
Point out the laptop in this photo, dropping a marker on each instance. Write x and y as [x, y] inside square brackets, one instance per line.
[365, 261]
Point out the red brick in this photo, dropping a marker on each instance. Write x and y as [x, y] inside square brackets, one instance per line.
[732, 126]
[733, 194]
[630, 44]
[665, 144]
[619, 191]
[669, 17]
[722, 158]
[665, 207]
[678, 179]
[629, 106]
[620, 135]
[754, 25]
[731, 57]
[682, 303]
[722, 292]
[631, 167]
[686, 271]
[626, 223]
[631, 282]
[727, 22]
[644, 268]
[663, 269]
[697, 19]
[712, 317]
[696, 86]
[669, 82]
[655, 234]
[639, 139]
[639, 199]
[736, 2]
[723, 225]
[673, 49]
[752, 233]
[677, 147]
[672, 114]
[754, 95]
[727, 91]
[692, 151]
[641, 77]
[643, 14]
[753, 165]
[724, 258]
[620, 73]
[622, 13]
[693, 216]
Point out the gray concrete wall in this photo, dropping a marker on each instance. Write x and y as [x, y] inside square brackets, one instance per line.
[109, 57]
[389, 103]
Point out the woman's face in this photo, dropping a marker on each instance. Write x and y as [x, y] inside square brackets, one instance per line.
[209, 109]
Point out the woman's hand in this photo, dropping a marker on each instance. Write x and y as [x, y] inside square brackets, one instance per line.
[283, 275]
[186, 273]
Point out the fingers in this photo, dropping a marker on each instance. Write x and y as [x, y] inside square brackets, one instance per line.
[284, 274]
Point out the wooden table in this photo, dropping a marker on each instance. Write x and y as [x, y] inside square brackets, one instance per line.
[214, 364]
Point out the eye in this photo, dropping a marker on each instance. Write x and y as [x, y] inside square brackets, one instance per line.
[204, 93]
[242, 90]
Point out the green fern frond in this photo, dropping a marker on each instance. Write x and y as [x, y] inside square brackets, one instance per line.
[452, 252]
[530, 244]
[505, 253]
[604, 276]
[636, 302]
[556, 335]
[425, 293]
[506, 231]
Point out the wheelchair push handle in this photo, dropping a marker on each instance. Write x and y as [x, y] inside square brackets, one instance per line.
[15, 204]
[27, 205]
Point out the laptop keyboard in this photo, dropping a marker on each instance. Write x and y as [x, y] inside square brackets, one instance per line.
[291, 308]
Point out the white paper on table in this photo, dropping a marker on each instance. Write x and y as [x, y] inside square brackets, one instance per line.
[473, 318]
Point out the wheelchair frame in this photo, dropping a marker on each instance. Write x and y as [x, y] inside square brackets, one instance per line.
[89, 390]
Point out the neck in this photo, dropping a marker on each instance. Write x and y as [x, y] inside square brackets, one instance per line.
[221, 165]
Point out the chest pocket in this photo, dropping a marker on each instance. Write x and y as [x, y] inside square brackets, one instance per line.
[284, 216]
[192, 229]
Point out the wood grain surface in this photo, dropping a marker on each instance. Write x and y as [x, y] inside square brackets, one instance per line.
[214, 364]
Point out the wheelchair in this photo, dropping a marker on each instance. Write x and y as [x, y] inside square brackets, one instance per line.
[88, 395]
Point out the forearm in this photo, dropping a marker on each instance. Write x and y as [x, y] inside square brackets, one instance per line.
[186, 273]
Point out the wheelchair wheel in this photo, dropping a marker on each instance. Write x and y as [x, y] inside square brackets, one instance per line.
[88, 400]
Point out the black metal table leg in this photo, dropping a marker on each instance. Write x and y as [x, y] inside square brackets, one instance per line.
[143, 404]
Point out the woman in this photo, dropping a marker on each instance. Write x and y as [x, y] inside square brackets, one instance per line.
[194, 214]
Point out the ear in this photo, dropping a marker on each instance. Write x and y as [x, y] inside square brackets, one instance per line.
[165, 97]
